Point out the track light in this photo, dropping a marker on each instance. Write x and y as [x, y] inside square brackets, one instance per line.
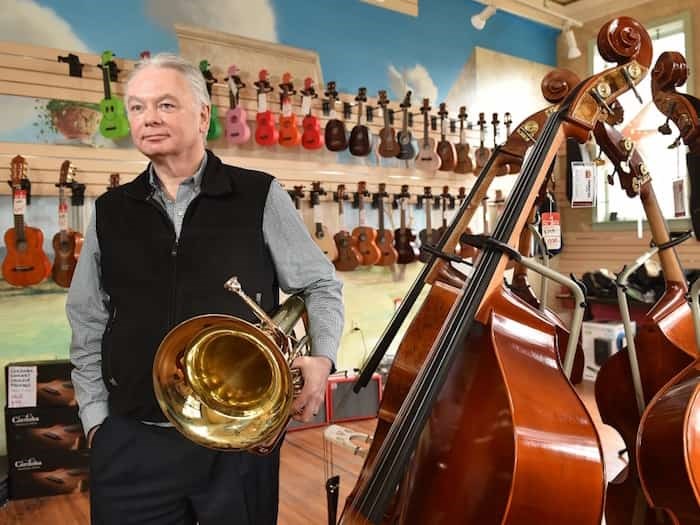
[479, 21]
[574, 51]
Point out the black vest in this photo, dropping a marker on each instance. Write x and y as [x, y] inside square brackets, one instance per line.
[155, 281]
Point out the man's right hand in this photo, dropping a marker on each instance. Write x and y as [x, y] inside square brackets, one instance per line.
[91, 434]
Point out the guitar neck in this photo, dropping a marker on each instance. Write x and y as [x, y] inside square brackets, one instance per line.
[380, 211]
[403, 215]
[359, 113]
[426, 121]
[105, 81]
[429, 215]
[19, 228]
[385, 111]
[404, 126]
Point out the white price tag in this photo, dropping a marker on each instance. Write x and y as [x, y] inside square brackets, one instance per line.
[19, 202]
[305, 105]
[262, 102]
[287, 108]
[679, 198]
[316, 213]
[21, 386]
[551, 230]
[63, 216]
[583, 175]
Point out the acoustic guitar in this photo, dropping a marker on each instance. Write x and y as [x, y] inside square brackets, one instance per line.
[404, 237]
[215, 130]
[348, 257]
[427, 158]
[482, 154]
[265, 132]
[320, 235]
[385, 238]
[428, 235]
[335, 135]
[311, 138]
[363, 236]
[445, 149]
[388, 146]
[25, 262]
[237, 129]
[360, 143]
[67, 242]
[405, 138]
[113, 124]
[464, 161]
[289, 135]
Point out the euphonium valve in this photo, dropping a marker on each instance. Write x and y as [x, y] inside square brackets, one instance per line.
[227, 384]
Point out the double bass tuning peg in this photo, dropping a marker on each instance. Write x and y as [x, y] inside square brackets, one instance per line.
[664, 128]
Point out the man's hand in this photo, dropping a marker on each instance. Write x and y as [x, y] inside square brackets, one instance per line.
[315, 371]
[91, 434]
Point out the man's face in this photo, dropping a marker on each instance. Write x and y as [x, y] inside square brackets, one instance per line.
[164, 116]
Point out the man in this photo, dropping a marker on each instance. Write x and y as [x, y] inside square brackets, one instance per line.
[158, 251]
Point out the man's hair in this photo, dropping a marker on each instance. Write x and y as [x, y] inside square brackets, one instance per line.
[171, 61]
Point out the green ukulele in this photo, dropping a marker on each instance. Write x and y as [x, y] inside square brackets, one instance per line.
[215, 129]
[114, 124]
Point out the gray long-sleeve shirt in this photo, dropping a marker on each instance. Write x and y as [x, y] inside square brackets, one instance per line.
[299, 263]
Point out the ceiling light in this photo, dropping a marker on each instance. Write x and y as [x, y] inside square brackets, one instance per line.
[479, 21]
[574, 51]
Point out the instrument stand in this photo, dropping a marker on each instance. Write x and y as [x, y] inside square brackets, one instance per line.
[544, 254]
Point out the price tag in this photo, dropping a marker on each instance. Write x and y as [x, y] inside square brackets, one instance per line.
[679, 198]
[583, 175]
[21, 386]
[19, 202]
[551, 230]
[316, 213]
[262, 102]
[63, 216]
[287, 108]
[305, 105]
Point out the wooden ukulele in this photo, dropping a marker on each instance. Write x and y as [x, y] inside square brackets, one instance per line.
[66, 243]
[465, 250]
[482, 154]
[113, 124]
[363, 236]
[404, 237]
[405, 138]
[348, 257]
[495, 122]
[237, 129]
[320, 235]
[429, 235]
[388, 146]
[464, 161]
[445, 149]
[447, 201]
[113, 181]
[385, 238]
[289, 135]
[311, 138]
[427, 158]
[360, 144]
[507, 121]
[265, 132]
[25, 262]
[336, 139]
[215, 130]
[77, 201]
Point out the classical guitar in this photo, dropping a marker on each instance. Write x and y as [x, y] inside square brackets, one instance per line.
[405, 138]
[334, 133]
[215, 130]
[388, 146]
[311, 138]
[464, 161]
[363, 236]
[348, 256]
[113, 124]
[482, 154]
[265, 132]
[237, 129]
[404, 237]
[289, 135]
[25, 263]
[385, 238]
[320, 234]
[360, 144]
[427, 158]
[67, 242]
[445, 149]
[428, 235]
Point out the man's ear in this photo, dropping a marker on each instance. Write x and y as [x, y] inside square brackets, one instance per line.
[205, 116]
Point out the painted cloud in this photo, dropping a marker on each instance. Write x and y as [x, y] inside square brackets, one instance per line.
[417, 79]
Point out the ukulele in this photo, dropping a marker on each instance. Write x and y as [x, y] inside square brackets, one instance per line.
[507, 121]
[25, 262]
[447, 201]
[385, 238]
[404, 237]
[482, 154]
[464, 161]
[348, 256]
[388, 146]
[215, 130]
[363, 236]
[335, 128]
[113, 181]
[265, 132]
[311, 138]
[405, 138]
[66, 243]
[465, 250]
[495, 122]
[320, 235]
[113, 124]
[237, 129]
[427, 236]
[445, 149]
[77, 200]
[288, 130]
[360, 144]
[427, 158]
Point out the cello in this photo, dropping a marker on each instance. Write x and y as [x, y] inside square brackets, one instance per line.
[473, 424]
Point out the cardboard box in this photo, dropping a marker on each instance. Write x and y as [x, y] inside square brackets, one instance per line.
[42, 430]
[39, 384]
[600, 340]
[37, 475]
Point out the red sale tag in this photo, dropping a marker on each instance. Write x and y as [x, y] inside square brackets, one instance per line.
[551, 230]
[19, 202]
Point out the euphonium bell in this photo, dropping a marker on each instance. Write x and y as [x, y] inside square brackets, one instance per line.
[227, 384]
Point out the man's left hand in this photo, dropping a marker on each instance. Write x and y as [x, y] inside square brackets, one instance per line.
[315, 371]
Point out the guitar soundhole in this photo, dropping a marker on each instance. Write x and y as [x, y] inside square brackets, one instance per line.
[21, 246]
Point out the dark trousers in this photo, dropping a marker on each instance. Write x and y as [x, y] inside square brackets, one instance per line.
[147, 474]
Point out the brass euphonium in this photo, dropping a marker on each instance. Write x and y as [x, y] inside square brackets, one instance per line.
[227, 384]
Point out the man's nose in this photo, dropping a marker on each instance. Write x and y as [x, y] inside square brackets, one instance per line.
[151, 116]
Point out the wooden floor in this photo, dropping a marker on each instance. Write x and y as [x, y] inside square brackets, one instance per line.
[302, 479]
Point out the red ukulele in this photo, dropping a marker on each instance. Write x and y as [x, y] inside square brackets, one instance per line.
[265, 132]
[311, 138]
[289, 131]
[66, 243]
[237, 130]
[25, 263]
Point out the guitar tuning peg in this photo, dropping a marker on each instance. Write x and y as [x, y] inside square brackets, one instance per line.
[664, 128]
